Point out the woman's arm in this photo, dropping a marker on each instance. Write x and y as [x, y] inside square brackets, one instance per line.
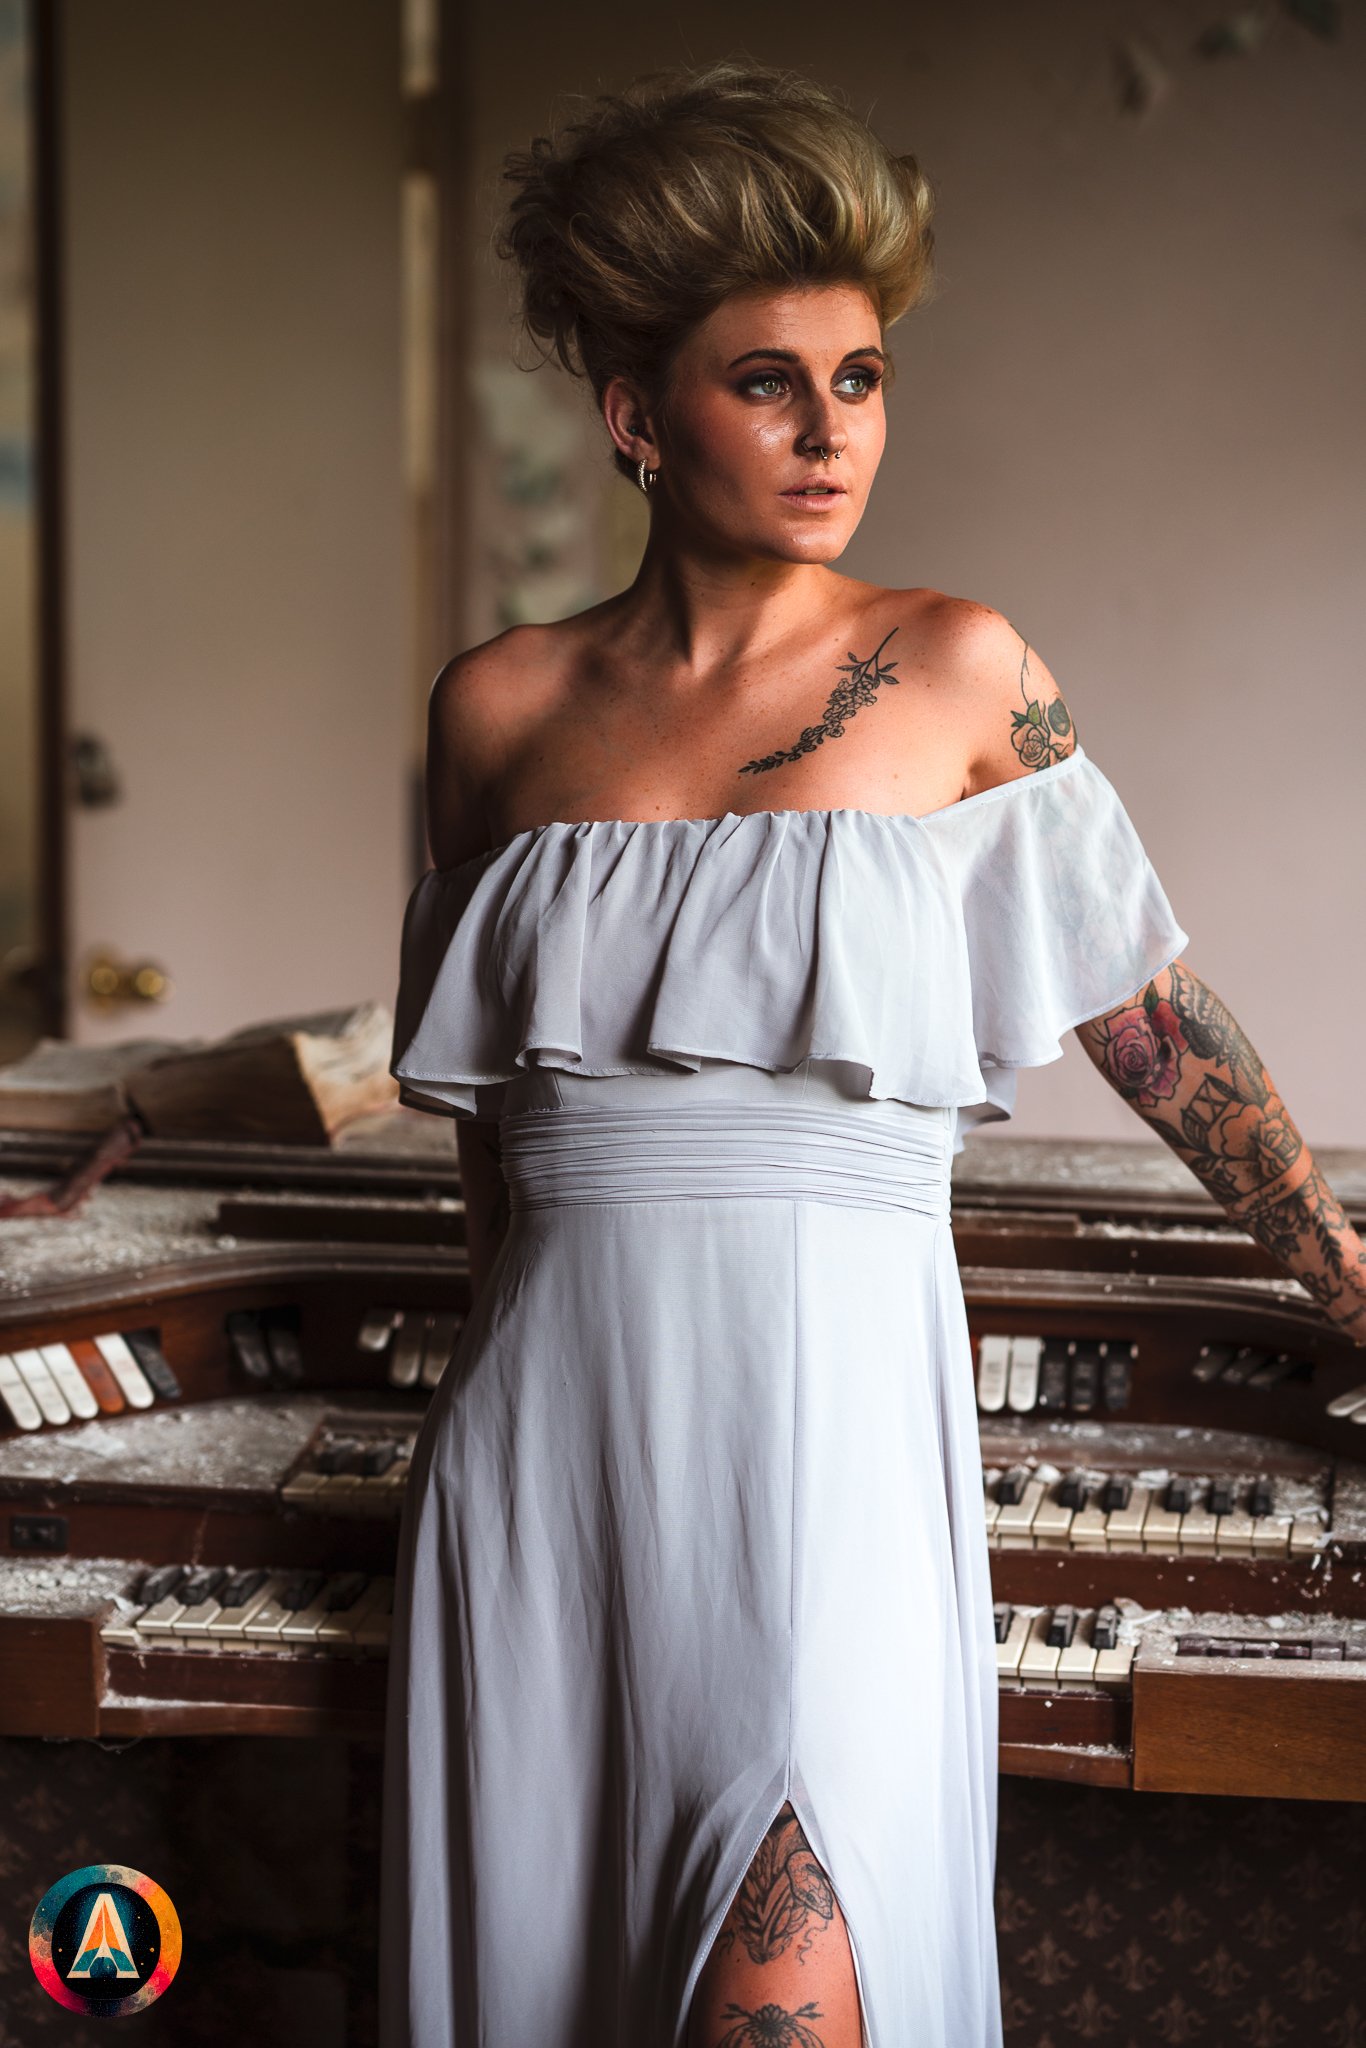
[1181, 1061]
[485, 1193]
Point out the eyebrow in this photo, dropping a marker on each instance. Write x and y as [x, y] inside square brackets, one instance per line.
[789, 355]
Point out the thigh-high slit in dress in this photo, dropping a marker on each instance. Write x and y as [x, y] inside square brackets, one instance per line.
[694, 1523]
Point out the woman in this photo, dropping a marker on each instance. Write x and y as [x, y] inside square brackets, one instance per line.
[753, 886]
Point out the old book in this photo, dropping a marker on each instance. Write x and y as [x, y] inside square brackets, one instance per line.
[292, 1081]
[58, 1086]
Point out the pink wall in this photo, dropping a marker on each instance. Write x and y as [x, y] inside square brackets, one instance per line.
[1133, 421]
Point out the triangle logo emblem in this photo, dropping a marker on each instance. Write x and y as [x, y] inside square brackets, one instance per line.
[104, 1945]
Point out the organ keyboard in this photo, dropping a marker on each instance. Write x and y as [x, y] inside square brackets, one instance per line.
[209, 1401]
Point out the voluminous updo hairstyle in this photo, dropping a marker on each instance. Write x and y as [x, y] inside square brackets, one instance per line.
[630, 225]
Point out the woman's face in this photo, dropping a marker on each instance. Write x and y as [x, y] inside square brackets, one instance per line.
[757, 388]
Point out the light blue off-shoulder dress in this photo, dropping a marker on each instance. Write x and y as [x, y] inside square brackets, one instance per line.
[694, 1524]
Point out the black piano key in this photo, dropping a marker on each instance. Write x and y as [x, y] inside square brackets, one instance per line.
[337, 1456]
[160, 1583]
[1010, 1490]
[1297, 1648]
[203, 1585]
[286, 1352]
[247, 1341]
[1117, 1375]
[1053, 1371]
[1085, 1377]
[1280, 1366]
[145, 1346]
[1262, 1498]
[346, 1591]
[1073, 1492]
[301, 1590]
[1222, 1500]
[1178, 1496]
[1105, 1628]
[1062, 1626]
[1116, 1492]
[1001, 1615]
[1192, 1645]
[377, 1458]
[242, 1586]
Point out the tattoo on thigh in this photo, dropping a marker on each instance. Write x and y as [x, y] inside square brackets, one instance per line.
[772, 2026]
[1042, 734]
[784, 1896]
[864, 680]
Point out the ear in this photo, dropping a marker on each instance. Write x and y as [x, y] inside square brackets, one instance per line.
[631, 427]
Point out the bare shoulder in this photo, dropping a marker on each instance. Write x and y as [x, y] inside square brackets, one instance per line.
[1015, 720]
[480, 704]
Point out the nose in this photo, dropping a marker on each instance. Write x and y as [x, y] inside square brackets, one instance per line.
[825, 429]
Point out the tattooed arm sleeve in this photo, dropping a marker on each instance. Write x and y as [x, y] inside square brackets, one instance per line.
[485, 1193]
[1183, 1064]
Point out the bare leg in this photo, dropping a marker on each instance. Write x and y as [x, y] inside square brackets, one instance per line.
[780, 1973]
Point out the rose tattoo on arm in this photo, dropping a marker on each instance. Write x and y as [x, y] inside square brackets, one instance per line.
[1178, 1057]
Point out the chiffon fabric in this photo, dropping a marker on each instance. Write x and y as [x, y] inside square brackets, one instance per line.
[694, 1524]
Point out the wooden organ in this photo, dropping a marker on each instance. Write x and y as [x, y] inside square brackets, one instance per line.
[212, 1377]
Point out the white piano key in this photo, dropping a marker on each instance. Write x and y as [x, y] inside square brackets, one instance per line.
[377, 1327]
[1161, 1526]
[1052, 1526]
[338, 1628]
[1271, 1535]
[1306, 1534]
[1008, 1653]
[405, 1353]
[993, 1361]
[133, 1382]
[1124, 1526]
[40, 1383]
[1077, 1663]
[1014, 1523]
[1233, 1536]
[1088, 1528]
[304, 1625]
[72, 1381]
[1113, 1667]
[229, 1625]
[1022, 1374]
[1038, 1658]
[1351, 1402]
[161, 1619]
[1198, 1529]
[16, 1397]
[372, 1633]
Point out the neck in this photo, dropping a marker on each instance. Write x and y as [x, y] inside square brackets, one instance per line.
[706, 610]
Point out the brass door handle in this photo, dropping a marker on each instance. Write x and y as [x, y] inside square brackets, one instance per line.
[109, 982]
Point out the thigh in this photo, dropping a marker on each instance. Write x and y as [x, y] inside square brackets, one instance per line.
[780, 1973]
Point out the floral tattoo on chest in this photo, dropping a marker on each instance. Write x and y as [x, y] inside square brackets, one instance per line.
[863, 681]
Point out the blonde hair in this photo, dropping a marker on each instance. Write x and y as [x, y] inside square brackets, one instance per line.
[633, 223]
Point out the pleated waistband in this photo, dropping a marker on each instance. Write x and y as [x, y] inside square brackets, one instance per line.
[879, 1156]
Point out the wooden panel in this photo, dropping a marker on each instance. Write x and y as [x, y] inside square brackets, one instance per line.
[1288, 1735]
[51, 1674]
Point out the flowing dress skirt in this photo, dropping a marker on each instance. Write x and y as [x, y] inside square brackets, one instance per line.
[695, 1527]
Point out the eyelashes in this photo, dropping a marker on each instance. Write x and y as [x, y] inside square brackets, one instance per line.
[869, 378]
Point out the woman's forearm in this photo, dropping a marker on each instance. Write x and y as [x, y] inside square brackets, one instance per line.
[1178, 1057]
[485, 1194]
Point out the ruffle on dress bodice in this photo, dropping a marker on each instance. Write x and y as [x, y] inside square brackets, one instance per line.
[933, 955]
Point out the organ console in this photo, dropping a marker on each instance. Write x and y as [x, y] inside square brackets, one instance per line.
[212, 1377]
